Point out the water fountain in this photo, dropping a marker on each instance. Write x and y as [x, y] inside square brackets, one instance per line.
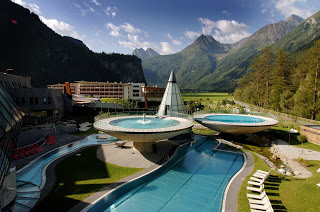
[169, 122]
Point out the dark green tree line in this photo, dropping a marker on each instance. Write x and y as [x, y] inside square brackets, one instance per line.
[283, 85]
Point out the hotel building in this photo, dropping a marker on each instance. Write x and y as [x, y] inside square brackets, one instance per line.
[133, 91]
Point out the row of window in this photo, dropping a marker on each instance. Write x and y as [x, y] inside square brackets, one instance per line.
[99, 86]
[34, 100]
[84, 89]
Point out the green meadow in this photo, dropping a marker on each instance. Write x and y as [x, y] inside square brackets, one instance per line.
[206, 96]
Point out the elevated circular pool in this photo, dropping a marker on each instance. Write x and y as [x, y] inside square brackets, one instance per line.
[144, 130]
[235, 123]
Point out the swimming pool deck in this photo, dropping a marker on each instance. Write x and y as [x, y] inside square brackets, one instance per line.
[131, 159]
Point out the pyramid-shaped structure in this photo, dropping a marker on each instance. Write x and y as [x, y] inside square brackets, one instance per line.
[171, 101]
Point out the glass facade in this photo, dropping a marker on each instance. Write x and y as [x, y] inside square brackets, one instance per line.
[10, 125]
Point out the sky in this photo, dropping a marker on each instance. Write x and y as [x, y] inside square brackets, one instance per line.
[167, 26]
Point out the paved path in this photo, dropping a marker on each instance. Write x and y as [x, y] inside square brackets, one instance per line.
[296, 152]
[289, 155]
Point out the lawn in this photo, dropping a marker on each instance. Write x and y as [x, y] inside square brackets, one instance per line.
[77, 177]
[109, 100]
[206, 96]
[285, 193]
[204, 132]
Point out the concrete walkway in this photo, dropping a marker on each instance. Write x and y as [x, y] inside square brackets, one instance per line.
[293, 152]
[289, 155]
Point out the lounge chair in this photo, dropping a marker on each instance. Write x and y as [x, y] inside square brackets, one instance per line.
[20, 154]
[260, 189]
[24, 151]
[265, 207]
[30, 150]
[15, 156]
[270, 209]
[39, 147]
[256, 179]
[318, 185]
[120, 143]
[318, 171]
[255, 183]
[258, 175]
[35, 149]
[255, 196]
[263, 172]
[259, 202]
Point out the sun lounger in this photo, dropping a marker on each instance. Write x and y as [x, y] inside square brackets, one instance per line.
[15, 156]
[24, 151]
[39, 147]
[30, 150]
[19, 153]
[120, 143]
[264, 174]
[257, 175]
[35, 149]
[259, 202]
[255, 183]
[264, 207]
[270, 209]
[256, 179]
[255, 196]
[318, 171]
[260, 189]
[318, 185]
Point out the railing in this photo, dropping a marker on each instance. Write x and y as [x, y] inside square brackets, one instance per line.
[185, 121]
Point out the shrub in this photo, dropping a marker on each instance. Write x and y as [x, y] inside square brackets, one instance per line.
[302, 138]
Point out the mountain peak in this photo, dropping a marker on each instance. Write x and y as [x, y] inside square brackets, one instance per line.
[294, 19]
[145, 54]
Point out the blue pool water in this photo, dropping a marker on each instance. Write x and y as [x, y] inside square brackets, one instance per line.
[33, 172]
[194, 180]
[234, 119]
[149, 123]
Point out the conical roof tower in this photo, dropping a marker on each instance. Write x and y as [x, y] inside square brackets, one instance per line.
[171, 101]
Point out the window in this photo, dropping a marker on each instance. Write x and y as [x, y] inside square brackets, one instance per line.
[49, 100]
[36, 101]
[44, 100]
[31, 100]
[17, 100]
[23, 101]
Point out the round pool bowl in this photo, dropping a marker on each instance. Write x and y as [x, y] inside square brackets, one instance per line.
[235, 123]
[144, 131]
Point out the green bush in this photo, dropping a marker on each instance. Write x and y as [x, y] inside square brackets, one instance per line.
[302, 138]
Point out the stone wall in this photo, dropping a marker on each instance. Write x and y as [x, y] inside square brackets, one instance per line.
[312, 134]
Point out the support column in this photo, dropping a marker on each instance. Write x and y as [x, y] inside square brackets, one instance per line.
[143, 146]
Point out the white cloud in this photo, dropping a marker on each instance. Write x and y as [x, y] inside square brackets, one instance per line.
[263, 11]
[226, 12]
[31, 6]
[115, 31]
[111, 11]
[166, 48]
[60, 27]
[225, 31]
[289, 7]
[126, 27]
[192, 35]
[96, 2]
[174, 41]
